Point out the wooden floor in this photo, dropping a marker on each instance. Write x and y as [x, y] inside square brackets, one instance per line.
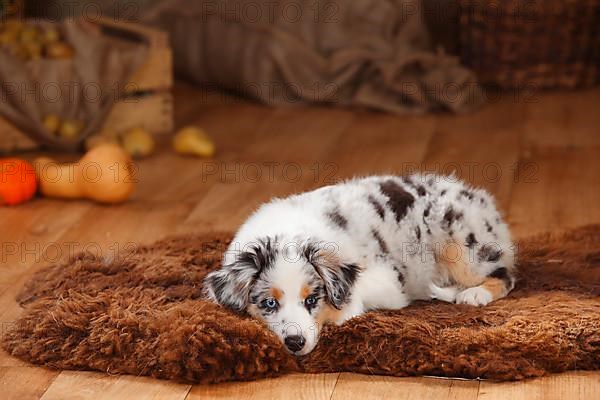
[540, 155]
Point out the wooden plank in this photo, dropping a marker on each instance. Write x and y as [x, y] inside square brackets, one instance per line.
[24, 383]
[284, 161]
[563, 119]
[226, 206]
[567, 386]
[30, 234]
[555, 189]
[296, 387]
[298, 136]
[213, 113]
[377, 143]
[74, 385]
[78, 385]
[365, 387]
[134, 387]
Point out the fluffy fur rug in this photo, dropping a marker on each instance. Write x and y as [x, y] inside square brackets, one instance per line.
[143, 314]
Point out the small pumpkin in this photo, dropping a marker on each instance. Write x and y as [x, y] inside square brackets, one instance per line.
[17, 181]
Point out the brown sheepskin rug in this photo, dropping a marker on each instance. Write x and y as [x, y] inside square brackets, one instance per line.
[143, 314]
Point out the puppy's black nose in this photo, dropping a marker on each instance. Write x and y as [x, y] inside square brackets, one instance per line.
[295, 342]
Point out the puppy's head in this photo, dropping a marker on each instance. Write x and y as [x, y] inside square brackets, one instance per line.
[294, 287]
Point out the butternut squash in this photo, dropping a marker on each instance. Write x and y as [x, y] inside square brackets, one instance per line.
[104, 174]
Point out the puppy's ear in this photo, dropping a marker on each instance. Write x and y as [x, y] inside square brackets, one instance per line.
[230, 286]
[338, 277]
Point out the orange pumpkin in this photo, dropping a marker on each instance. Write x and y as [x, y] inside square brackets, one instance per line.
[17, 181]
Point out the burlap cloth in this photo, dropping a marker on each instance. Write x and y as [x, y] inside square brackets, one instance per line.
[82, 88]
[371, 53]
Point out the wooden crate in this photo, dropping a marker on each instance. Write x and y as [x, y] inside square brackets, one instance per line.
[148, 102]
[152, 112]
[156, 73]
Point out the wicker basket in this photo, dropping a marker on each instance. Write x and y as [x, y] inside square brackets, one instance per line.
[537, 44]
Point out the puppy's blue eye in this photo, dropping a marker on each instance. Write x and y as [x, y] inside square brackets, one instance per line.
[270, 303]
[310, 301]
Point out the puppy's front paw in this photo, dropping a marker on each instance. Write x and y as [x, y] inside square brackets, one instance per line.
[475, 296]
[447, 294]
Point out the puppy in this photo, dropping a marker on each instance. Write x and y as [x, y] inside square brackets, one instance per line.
[379, 242]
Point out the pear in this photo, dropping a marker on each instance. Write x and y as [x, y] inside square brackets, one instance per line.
[29, 34]
[50, 35]
[51, 122]
[70, 129]
[59, 50]
[138, 142]
[194, 141]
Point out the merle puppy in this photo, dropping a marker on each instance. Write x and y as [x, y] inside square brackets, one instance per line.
[379, 242]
